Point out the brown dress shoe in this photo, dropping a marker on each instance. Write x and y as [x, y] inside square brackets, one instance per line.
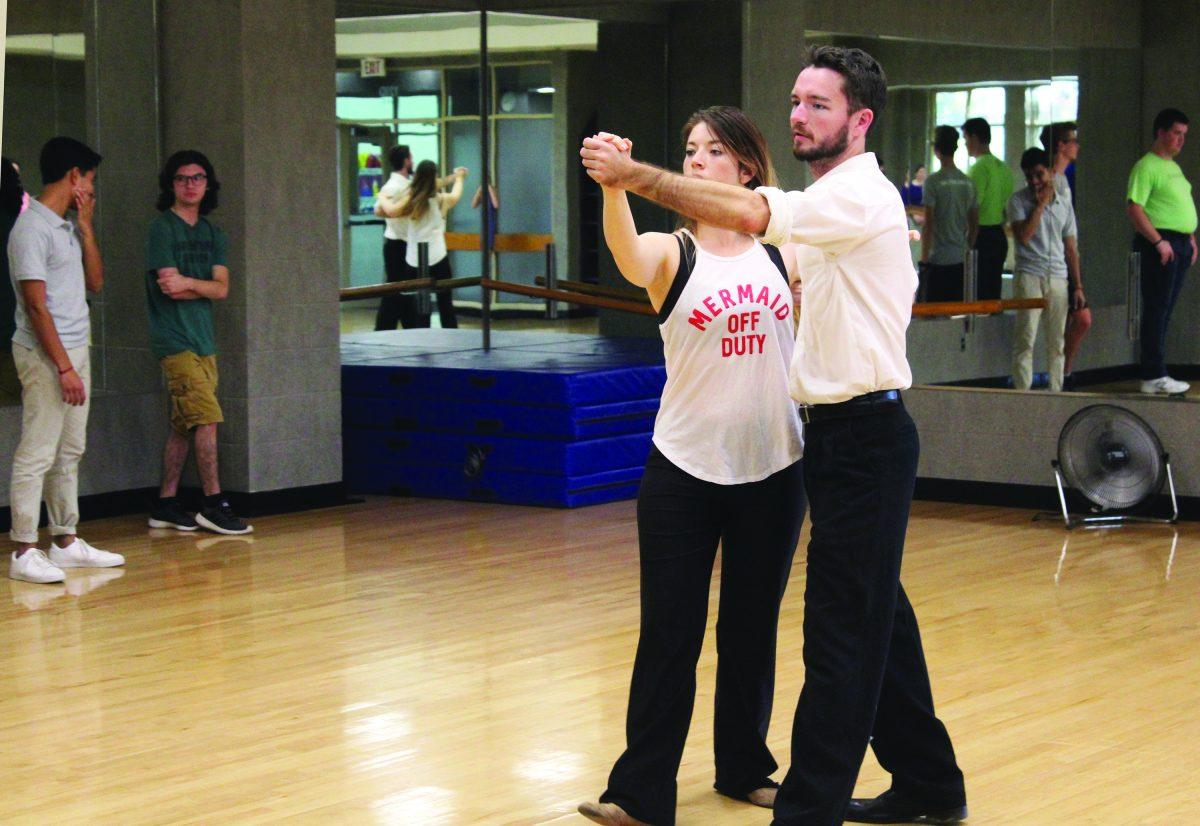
[764, 797]
[610, 814]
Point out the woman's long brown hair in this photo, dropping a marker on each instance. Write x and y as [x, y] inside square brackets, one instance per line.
[421, 191]
[735, 131]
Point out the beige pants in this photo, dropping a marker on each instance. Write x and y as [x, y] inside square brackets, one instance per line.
[1053, 323]
[53, 437]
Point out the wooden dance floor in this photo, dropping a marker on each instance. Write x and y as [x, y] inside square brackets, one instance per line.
[418, 662]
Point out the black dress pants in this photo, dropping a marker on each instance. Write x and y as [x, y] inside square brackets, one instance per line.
[398, 307]
[864, 669]
[680, 521]
[991, 248]
[944, 282]
[1160, 285]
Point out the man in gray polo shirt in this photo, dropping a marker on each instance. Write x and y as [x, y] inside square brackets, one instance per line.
[1043, 226]
[51, 262]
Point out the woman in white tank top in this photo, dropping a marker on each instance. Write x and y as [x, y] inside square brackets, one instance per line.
[425, 207]
[725, 468]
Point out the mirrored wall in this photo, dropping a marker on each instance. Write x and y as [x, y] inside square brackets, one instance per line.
[416, 80]
[44, 95]
[557, 71]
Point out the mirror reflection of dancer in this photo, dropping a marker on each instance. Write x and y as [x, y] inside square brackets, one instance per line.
[865, 679]
[396, 308]
[725, 467]
[425, 207]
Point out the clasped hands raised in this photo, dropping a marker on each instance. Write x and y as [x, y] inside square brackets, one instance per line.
[608, 158]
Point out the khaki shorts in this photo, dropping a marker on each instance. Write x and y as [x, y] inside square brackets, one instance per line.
[192, 380]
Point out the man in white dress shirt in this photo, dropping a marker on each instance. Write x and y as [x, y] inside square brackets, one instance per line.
[865, 675]
[396, 308]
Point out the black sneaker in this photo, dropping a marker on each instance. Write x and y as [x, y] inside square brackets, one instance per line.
[221, 519]
[168, 513]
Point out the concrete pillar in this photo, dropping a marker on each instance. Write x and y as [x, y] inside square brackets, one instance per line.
[772, 47]
[251, 84]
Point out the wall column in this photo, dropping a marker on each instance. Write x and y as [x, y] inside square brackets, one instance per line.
[251, 84]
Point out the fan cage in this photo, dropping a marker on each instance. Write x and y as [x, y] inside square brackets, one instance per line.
[1112, 458]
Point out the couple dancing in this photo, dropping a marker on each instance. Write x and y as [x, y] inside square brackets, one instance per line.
[725, 466]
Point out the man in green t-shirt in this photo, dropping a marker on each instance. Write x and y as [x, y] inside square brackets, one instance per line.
[1162, 211]
[185, 272]
[993, 187]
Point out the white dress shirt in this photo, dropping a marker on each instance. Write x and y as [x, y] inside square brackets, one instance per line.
[395, 229]
[856, 269]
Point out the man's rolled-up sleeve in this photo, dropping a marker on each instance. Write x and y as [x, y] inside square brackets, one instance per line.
[779, 228]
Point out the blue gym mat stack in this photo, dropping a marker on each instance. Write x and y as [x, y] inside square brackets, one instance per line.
[550, 419]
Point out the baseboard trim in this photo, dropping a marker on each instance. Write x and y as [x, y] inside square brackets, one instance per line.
[1084, 378]
[260, 503]
[1032, 497]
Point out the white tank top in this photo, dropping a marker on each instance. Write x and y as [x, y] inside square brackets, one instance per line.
[726, 416]
[431, 229]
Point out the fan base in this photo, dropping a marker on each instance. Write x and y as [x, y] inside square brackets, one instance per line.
[1102, 520]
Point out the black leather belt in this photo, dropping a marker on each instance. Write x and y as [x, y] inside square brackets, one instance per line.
[857, 406]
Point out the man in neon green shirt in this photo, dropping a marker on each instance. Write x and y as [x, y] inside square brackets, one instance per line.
[993, 186]
[1162, 211]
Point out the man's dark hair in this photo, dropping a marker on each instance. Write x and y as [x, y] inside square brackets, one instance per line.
[166, 180]
[1032, 157]
[11, 193]
[863, 80]
[945, 140]
[1167, 118]
[397, 155]
[60, 155]
[979, 128]
[1056, 133]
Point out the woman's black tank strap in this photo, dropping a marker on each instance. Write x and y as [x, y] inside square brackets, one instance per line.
[777, 259]
[687, 263]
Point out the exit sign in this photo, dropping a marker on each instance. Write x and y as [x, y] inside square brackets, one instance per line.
[372, 67]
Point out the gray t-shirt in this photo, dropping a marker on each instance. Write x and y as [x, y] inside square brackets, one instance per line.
[950, 195]
[45, 247]
[1044, 254]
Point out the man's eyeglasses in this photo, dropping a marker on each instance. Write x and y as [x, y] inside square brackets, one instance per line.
[198, 178]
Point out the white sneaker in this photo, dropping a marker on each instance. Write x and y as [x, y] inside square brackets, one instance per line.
[33, 566]
[80, 554]
[1165, 384]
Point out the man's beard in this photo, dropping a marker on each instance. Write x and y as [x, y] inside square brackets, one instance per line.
[830, 148]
